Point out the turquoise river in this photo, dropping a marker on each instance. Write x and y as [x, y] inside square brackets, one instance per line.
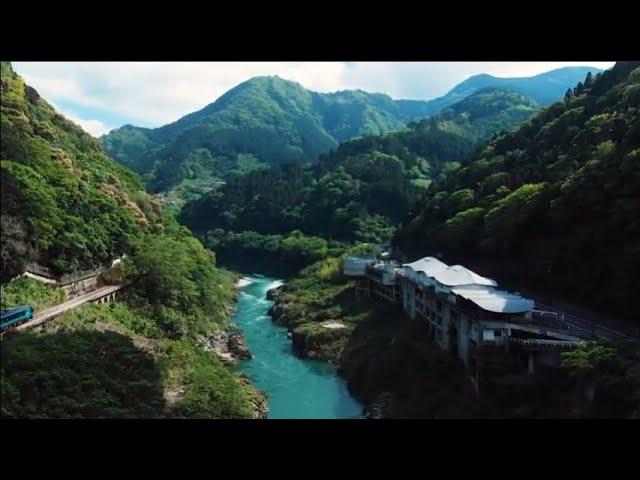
[297, 388]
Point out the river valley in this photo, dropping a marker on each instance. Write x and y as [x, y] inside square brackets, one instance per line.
[297, 387]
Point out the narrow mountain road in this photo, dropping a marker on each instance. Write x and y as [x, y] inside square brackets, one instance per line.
[53, 312]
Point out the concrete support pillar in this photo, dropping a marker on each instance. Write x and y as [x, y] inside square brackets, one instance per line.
[531, 368]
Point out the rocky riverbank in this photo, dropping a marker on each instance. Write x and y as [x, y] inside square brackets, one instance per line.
[259, 399]
[229, 346]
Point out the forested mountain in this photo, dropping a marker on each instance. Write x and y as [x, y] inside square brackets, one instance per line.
[270, 121]
[67, 205]
[545, 88]
[555, 202]
[265, 120]
[365, 186]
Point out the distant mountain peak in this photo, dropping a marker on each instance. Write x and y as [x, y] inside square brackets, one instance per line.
[269, 120]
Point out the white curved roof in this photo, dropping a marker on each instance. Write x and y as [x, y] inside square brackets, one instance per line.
[493, 300]
[458, 275]
[427, 265]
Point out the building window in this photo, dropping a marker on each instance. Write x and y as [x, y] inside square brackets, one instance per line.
[498, 333]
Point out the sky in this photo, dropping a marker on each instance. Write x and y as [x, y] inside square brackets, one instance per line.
[100, 96]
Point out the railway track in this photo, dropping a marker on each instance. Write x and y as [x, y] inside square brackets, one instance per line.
[107, 293]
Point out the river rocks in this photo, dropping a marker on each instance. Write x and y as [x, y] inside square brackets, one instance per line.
[259, 399]
[278, 313]
[274, 293]
[260, 405]
[333, 325]
[217, 343]
[238, 347]
[275, 311]
[379, 408]
[228, 347]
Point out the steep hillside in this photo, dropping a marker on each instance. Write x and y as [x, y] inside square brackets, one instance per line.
[362, 189]
[65, 203]
[554, 204]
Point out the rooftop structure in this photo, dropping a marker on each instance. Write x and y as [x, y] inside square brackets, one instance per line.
[458, 275]
[428, 266]
[492, 300]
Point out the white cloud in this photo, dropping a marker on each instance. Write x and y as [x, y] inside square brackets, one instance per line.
[152, 94]
[94, 127]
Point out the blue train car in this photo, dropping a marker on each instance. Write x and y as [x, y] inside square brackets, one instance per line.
[15, 316]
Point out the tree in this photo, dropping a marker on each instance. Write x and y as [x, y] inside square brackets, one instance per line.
[588, 81]
[569, 94]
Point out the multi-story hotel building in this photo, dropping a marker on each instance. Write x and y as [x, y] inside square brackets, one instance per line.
[465, 313]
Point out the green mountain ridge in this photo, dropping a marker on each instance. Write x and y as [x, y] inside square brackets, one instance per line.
[270, 121]
[265, 120]
[545, 88]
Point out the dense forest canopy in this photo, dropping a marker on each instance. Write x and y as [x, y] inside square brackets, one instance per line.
[555, 202]
[65, 203]
[365, 186]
